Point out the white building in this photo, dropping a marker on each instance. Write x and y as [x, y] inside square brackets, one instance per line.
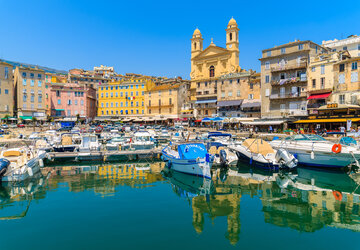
[351, 44]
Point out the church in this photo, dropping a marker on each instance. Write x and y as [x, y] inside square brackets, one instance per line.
[218, 85]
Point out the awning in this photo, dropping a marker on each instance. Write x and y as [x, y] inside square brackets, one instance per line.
[70, 119]
[263, 123]
[218, 119]
[319, 96]
[328, 120]
[59, 109]
[251, 104]
[206, 101]
[197, 121]
[26, 117]
[229, 103]
[207, 119]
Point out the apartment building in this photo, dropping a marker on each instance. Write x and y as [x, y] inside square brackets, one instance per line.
[29, 90]
[167, 98]
[350, 44]
[347, 84]
[284, 79]
[87, 78]
[123, 98]
[321, 79]
[72, 100]
[6, 90]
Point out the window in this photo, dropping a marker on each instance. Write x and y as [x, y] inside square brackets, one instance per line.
[76, 102]
[301, 46]
[102, 104]
[267, 79]
[238, 93]
[268, 53]
[69, 112]
[251, 96]
[341, 99]
[341, 78]
[149, 111]
[106, 94]
[131, 93]
[137, 104]
[6, 72]
[354, 66]
[24, 106]
[283, 50]
[251, 86]
[111, 94]
[149, 102]
[121, 94]
[24, 74]
[313, 69]
[230, 93]
[322, 69]
[111, 104]
[116, 104]
[39, 76]
[212, 71]
[267, 65]
[282, 107]
[223, 94]
[116, 94]
[342, 67]
[59, 101]
[24, 97]
[32, 75]
[121, 104]
[137, 93]
[159, 93]
[32, 106]
[82, 102]
[32, 82]
[170, 92]
[24, 82]
[282, 76]
[230, 37]
[170, 101]
[314, 83]
[32, 98]
[322, 82]
[6, 91]
[354, 77]
[198, 84]
[142, 92]
[69, 102]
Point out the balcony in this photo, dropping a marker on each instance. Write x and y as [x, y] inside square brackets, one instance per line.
[286, 67]
[293, 112]
[287, 96]
[206, 94]
[160, 106]
[288, 81]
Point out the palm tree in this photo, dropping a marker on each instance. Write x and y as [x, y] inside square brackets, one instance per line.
[7, 118]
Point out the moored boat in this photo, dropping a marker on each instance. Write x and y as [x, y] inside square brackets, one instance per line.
[190, 158]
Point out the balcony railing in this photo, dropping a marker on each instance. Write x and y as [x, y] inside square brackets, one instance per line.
[291, 112]
[287, 81]
[287, 95]
[286, 67]
[160, 105]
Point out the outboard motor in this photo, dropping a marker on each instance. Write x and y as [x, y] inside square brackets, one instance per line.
[222, 154]
[4, 164]
[285, 158]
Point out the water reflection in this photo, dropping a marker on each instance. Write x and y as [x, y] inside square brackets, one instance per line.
[307, 200]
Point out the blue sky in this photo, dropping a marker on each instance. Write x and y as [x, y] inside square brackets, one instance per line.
[153, 37]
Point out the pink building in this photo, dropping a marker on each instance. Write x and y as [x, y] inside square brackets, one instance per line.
[71, 99]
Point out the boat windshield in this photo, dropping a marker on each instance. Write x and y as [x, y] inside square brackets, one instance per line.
[307, 137]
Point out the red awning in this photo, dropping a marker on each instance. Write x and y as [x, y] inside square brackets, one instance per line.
[319, 96]
[197, 121]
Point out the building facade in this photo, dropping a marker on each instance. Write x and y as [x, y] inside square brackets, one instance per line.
[6, 90]
[72, 100]
[167, 99]
[29, 88]
[284, 79]
[350, 44]
[124, 98]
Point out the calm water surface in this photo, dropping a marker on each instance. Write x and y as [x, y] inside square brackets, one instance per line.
[143, 206]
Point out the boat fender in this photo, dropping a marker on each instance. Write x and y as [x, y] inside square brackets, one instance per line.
[337, 195]
[41, 163]
[336, 148]
[312, 155]
[29, 169]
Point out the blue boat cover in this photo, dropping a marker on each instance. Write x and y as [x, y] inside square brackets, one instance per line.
[192, 151]
[348, 141]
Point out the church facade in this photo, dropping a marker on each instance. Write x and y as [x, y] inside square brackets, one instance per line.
[213, 68]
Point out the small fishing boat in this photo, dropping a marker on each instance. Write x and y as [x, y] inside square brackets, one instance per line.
[259, 153]
[66, 144]
[315, 151]
[189, 158]
[89, 143]
[118, 143]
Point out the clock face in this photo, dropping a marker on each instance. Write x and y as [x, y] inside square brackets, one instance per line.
[230, 46]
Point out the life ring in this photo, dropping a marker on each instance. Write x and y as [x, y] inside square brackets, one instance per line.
[336, 148]
[337, 195]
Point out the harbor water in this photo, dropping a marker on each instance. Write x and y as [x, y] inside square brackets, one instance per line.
[147, 206]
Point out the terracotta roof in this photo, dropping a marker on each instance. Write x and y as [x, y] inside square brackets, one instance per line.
[165, 87]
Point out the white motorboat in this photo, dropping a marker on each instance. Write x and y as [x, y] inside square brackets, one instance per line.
[89, 143]
[22, 163]
[259, 153]
[313, 150]
[142, 141]
[118, 143]
[189, 158]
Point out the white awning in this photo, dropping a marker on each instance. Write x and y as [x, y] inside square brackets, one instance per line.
[263, 123]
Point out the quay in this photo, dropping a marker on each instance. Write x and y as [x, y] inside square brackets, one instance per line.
[124, 155]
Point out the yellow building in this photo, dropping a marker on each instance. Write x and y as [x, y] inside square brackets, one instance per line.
[123, 98]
